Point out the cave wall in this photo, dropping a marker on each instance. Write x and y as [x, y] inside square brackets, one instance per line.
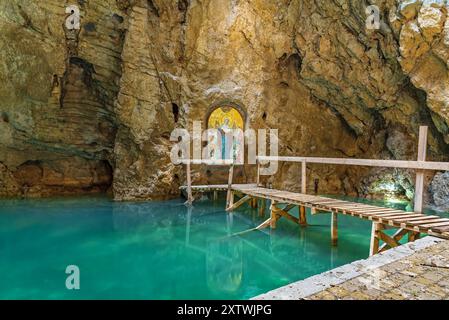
[57, 120]
[103, 102]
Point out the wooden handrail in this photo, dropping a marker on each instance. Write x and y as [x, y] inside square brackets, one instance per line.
[398, 164]
[419, 166]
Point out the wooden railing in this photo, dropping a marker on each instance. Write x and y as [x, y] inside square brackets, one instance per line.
[420, 166]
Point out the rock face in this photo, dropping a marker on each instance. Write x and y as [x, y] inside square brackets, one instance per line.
[79, 109]
[439, 190]
[57, 120]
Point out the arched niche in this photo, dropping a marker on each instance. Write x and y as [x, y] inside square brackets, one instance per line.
[226, 117]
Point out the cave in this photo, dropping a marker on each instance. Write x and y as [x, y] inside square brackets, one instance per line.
[158, 124]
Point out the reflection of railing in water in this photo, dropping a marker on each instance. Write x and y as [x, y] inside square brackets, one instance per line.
[268, 253]
[224, 264]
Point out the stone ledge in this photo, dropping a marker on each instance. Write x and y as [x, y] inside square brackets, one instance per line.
[319, 283]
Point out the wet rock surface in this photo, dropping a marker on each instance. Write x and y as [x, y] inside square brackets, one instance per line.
[110, 95]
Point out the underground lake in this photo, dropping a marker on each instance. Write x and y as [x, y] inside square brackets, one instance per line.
[162, 250]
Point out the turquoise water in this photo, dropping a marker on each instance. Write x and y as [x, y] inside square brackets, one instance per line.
[161, 250]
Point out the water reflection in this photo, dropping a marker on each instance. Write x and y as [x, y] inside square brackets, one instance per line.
[224, 265]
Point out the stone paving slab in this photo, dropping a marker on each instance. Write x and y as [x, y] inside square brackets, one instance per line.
[415, 271]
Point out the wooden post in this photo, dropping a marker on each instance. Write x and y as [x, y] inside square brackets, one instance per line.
[189, 222]
[334, 232]
[413, 236]
[422, 153]
[258, 173]
[375, 240]
[273, 215]
[189, 184]
[230, 195]
[304, 177]
[262, 207]
[215, 195]
[302, 216]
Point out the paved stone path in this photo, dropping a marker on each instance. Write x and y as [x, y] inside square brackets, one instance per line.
[417, 271]
[422, 276]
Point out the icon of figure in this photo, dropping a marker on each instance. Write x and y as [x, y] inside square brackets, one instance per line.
[228, 122]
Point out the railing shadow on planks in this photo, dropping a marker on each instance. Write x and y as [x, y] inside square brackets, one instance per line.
[408, 225]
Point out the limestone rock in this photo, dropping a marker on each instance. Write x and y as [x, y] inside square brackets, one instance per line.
[439, 190]
[82, 109]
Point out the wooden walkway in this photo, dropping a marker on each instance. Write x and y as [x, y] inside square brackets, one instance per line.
[408, 224]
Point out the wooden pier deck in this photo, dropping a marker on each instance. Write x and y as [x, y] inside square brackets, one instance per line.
[410, 225]
[282, 202]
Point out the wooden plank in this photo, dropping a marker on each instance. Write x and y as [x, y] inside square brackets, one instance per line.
[441, 229]
[408, 217]
[434, 225]
[399, 221]
[239, 203]
[391, 216]
[389, 212]
[379, 210]
[423, 221]
[330, 201]
[419, 185]
[424, 217]
[372, 210]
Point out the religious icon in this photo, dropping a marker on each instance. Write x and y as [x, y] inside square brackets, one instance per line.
[229, 122]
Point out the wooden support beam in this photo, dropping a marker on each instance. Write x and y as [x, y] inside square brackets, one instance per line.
[413, 236]
[189, 184]
[422, 153]
[253, 203]
[285, 214]
[215, 197]
[289, 207]
[231, 199]
[392, 243]
[304, 177]
[375, 240]
[334, 227]
[264, 225]
[273, 215]
[258, 173]
[230, 195]
[302, 216]
[262, 207]
[239, 203]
